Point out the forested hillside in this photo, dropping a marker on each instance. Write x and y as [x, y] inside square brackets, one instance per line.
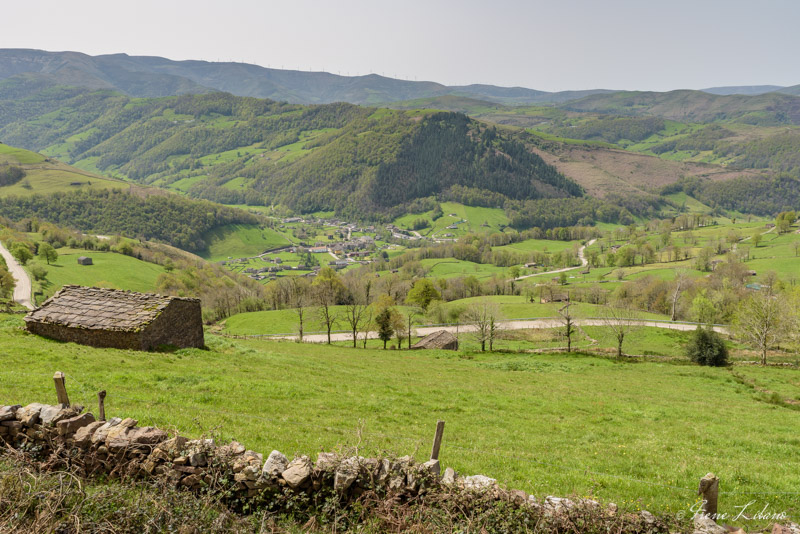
[765, 195]
[696, 106]
[168, 218]
[359, 162]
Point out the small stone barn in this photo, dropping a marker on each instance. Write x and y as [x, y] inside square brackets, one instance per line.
[442, 339]
[83, 260]
[118, 319]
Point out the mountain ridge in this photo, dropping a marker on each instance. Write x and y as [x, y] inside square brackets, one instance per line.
[153, 76]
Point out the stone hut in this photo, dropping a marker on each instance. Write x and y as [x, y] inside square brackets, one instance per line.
[83, 260]
[442, 339]
[118, 319]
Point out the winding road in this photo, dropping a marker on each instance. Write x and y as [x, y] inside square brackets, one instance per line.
[584, 263]
[22, 289]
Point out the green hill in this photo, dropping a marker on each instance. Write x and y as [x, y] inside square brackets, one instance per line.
[358, 162]
[239, 240]
[37, 186]
[109, 269]
[24, 173]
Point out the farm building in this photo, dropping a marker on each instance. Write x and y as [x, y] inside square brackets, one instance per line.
[442, 339]
[118, 319]
[83, 260]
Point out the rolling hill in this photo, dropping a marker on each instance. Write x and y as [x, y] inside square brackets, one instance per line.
[696, 106]
[28, 173]
[41, 187]
[359, 162]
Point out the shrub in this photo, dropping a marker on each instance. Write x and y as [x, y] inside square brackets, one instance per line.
[39, 272]
[707, 347]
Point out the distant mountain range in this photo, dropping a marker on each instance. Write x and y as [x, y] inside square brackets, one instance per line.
[140, 76]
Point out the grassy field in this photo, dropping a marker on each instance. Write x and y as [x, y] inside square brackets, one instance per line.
[241, 240]
[467, 219]
[638, 434]
[44, 176]
[281, 322]
[509, 307]
[109, 270]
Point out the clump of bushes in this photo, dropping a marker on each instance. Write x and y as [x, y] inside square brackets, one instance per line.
[706, 347]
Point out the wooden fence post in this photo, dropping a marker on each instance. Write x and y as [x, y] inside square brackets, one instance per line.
[709, 489]
[101, 399]
[437, 440]
[61, 388]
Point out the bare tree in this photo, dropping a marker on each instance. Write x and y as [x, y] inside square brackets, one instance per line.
[484, 317]
[454, 315]
[298, 299]
[399, 325]
[410, 314]
[327, 289]
[568, 324]
[764, 320]
[356, 308]
[367, 324]
[622, 321]
[681, 281]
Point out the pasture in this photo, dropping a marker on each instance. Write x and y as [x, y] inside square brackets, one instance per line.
[639, 434]
[109, 270]
[241, 240]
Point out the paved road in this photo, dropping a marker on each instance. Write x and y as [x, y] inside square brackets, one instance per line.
[584, 263]
[504, 325]
[22, 289]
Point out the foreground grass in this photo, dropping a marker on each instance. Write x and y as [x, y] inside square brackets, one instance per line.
[640, 433]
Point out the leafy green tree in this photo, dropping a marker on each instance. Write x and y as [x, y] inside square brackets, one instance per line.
[38, 272]
[707, 347]
[422, 293]
[384, 321]
[48, 253]
[703, 309]
[7, 282]
[21, 253]
[764, 320]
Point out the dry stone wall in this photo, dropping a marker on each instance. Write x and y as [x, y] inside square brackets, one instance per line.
[62, 436]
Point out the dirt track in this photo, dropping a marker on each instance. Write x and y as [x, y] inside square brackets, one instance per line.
[505, 325]
[22, 289]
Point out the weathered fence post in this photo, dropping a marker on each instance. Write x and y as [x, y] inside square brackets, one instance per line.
[101, 399]
[709, 489]
[437, 440]
[61, 388]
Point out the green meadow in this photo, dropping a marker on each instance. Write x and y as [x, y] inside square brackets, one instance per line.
[109, 269]
[639, 434]
[241, 240]
[44, 176]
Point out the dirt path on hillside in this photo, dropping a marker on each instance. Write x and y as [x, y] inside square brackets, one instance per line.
[22, 289]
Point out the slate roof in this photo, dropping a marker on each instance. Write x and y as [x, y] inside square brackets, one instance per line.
[104, 309]
[436, 340]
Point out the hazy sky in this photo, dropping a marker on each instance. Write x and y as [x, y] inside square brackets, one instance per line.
[550, 45]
